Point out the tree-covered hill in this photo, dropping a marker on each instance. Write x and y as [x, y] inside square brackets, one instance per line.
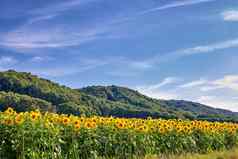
[25, 91]
[185, 108]
[23, 102]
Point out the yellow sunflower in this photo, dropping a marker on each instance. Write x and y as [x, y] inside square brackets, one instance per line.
[34, 116]
[90, 125]
[9, 111]
[19, 119]
[65, 120]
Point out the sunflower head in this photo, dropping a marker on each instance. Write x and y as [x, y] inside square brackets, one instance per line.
[65, 120]
[8, 122]
[34, 116]
[19, 119]
[9, 111]
[120, 125]
[77, 122]
[77, 127]
[90, 125]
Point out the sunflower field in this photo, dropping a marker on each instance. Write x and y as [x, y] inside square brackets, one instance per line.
[36, 135]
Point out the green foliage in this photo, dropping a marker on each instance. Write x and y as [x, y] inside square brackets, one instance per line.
[23, 102]
[159, 108]
[104, 142]
[26, 92]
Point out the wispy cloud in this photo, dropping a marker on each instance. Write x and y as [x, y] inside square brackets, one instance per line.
[29, 37]
[60, 7]
[7, 61]
[166, 81]
[157, 93]
[176, 4]
[223, 94]
[230, 15]
[193, 83]
[155, 61]
[209, 48]
[56, 35]
[179, 3]
[219, 102]
[54, 10]
[154, 89]
[200, 49]
[41, 18]
[37, 59]
[227, 82]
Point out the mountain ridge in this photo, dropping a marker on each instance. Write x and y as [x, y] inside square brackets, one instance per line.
[177, 104]
[97, 100]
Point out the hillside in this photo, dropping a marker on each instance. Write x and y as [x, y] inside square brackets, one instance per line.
[134, 98]
[25, 91]
[66, 100]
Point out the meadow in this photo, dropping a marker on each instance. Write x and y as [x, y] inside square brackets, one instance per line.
[35, 135]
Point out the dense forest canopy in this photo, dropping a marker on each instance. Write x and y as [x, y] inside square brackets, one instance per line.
[25, 91]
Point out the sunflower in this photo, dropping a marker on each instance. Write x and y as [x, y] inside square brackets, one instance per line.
[65, 120]
[8, 122]
[162, 130]
[19, 119]
[143, 128]
[90, 125]
[120, 125]
[77, 126]
[34, 116]
[77, 122]
[9, 111]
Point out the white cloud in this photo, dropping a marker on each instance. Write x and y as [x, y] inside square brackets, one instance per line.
[209, 88]
[219, 102]
[193, 84]
[219, 93]
[158, 94]
[209, 48]
[179, 3]
[200, 49]
[41, 18]
[231, 15]
[59, 7]
[41, 59]
[166, 81]
[229, 81]
[7, 61]
[29, 37]
[37, 59]
[155, 92]
[54, 10]
[140, 65]
[56, 35]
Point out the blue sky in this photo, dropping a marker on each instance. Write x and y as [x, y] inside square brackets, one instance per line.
[169, 49]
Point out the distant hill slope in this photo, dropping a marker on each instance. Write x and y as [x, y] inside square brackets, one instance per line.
[67, 100]
[23, 102]
[132, 97]
[25, 91]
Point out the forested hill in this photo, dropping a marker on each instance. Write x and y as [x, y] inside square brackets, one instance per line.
[25, 91]
[136, 99]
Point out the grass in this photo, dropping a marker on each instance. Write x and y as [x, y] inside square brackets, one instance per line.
[231, 154]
